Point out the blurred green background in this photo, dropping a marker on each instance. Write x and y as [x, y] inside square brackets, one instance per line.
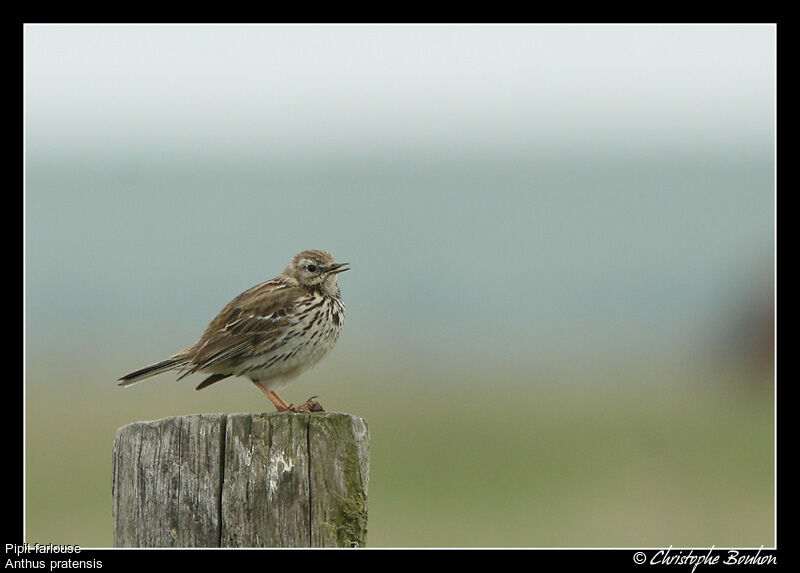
[560, 314]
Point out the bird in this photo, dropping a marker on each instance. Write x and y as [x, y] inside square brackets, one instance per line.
[271, 333]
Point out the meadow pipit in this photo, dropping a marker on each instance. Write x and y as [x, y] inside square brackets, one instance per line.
[270, 333]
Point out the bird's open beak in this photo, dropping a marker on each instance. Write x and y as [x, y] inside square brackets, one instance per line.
[337, 268]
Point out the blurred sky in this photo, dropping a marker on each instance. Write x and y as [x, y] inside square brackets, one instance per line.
[503, 192]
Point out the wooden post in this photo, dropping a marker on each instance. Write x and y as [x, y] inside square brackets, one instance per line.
[242, 480]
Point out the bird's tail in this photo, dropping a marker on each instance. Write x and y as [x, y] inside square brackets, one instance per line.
[171, 363]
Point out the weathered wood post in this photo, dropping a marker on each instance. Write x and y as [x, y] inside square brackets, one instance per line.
[242, 480]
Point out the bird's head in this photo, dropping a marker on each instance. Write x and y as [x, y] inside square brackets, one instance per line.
[316, 269]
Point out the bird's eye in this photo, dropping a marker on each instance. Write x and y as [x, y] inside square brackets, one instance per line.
[312, 268]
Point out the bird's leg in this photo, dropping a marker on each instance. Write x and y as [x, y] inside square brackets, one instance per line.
[279, 404]
[278, 398]
[310, 405]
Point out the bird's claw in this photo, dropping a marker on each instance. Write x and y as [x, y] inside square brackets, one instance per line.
[310, 405]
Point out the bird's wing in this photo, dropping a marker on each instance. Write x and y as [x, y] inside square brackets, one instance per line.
[253, 323]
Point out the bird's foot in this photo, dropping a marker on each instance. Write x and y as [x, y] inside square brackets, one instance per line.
[310, 405]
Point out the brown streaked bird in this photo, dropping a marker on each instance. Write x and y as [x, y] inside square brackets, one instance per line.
[271, 333]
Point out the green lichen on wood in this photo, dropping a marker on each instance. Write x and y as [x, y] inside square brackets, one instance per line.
[351, 526]
[338, 480]
[349, 529]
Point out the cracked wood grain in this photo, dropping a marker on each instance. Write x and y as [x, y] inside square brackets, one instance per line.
[242, 480]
